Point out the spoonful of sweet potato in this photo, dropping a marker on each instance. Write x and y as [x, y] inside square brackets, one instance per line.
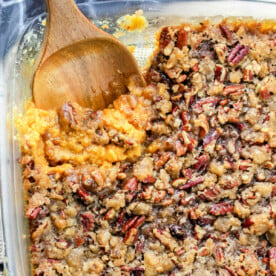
[79, 62]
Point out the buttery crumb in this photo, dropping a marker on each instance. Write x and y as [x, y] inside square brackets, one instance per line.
[135, 22]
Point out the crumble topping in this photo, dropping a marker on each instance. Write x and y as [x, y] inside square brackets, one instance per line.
[177, 178]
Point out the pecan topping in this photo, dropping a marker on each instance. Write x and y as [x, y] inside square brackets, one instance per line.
[226, 32]
[221, 208]
[131, 184]
[174, 178]
[164, 39]
[87, 220]
[233, 90]
[181, 39]
[177, 231]
[202, 163]
[35, 213]
[237, 54]
[220, 73]
[198, 107]
[191, 183]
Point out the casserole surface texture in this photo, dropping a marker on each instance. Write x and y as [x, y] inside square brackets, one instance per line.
[177, 178]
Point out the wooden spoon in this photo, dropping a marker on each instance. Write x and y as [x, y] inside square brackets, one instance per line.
[79, 62]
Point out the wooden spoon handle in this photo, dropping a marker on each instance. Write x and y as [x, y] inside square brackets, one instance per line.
[66, 25]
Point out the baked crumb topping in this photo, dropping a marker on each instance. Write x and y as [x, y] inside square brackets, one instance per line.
[177, 178]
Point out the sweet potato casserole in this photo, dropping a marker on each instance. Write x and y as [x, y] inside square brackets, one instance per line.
[177, 178]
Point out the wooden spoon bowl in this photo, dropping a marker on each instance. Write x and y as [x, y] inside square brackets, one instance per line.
[79, 62]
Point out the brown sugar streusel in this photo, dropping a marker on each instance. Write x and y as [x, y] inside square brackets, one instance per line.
[177, 178]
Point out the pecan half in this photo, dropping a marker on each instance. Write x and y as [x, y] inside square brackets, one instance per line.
[237, 54]
[129, 223]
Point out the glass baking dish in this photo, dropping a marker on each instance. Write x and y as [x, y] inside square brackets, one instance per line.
[21, 32]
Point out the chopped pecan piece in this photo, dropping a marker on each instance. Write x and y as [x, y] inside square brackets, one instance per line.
[163, 159]
[220, 73]
[202, 123]
[197, 107]
[165, 238]
[219, 256]
[210, 139]
[247, 74]
[164, 39]
[210, 194]
[233, 89]
[87, 220]
[131, 236]
[221, 208]
[265, 93]
[68, 116]
[35, 212]
[149, 180]
[191, 183]
[121, 217]
[84, 195]
[180, 148]
[140, 221]
[202, 163]
[247, 223]
[178, 182]
[131, 184]
[272, 259]
[181, 40]
[206, 49]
